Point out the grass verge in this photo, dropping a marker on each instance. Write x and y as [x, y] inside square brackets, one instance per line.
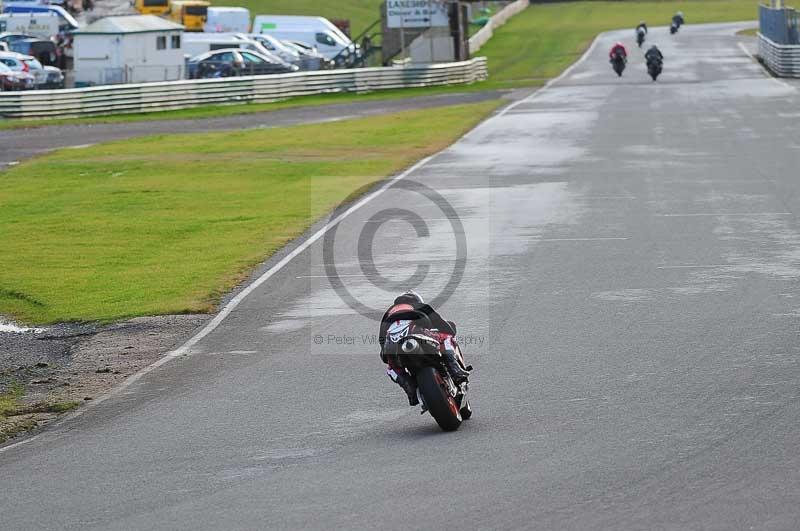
[16, 418]
[166, 224]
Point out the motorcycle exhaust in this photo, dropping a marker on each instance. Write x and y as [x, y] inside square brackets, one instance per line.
[410, 346]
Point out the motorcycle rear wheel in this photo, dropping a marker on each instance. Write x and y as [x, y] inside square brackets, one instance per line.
[442, 407]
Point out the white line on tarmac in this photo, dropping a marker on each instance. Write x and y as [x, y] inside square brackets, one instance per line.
[233, 303]
[539, 92]
[579, 239]
[769, 74]
[722, 214]
[708, 266]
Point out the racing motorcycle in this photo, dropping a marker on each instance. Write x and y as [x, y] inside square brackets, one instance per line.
[618, 63]
[411, 345]
[640, 37]
[654, 67]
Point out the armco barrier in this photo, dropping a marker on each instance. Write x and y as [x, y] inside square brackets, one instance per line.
[782, 60]
[150, 97]
[499, 19]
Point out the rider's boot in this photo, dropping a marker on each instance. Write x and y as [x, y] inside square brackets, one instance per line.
[453, 367]
[407, 383]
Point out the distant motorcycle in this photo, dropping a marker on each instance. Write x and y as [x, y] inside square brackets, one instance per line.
[640, 34]
[677, 22]
[618, 62]
[654, 67]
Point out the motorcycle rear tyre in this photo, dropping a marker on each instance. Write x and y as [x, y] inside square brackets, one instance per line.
[440, 404]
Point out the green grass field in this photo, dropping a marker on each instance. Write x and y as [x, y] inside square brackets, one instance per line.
[167, 224]
[541, 42]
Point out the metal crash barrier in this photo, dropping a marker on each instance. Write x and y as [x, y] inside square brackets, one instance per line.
[152, 97]
[782, 59]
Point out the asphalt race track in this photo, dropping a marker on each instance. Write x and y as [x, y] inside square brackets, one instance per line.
[629, 298]
[23, 143]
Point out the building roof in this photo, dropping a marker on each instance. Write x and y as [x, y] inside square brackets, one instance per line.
[128, 24]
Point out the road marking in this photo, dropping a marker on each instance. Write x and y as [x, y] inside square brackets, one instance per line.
[228, 308]
[712, 214]
[579, 239]
[429, 274]
[398, 220]
[539, 92]
[184, 350]
[767, 72]
[694, 266]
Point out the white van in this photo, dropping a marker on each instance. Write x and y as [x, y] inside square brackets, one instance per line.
[315, 31]
[41, 25]
[66, 21]
[227, 20]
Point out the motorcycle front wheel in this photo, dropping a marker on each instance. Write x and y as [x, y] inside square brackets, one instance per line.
[442, 407]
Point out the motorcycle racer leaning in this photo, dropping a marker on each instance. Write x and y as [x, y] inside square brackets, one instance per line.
[442, 330]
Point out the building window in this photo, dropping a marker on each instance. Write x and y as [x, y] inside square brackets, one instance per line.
[176, 41]
[161, 43]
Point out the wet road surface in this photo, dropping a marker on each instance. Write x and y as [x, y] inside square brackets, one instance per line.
[628, 296]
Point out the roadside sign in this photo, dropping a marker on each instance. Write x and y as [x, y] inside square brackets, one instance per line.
[416, 14]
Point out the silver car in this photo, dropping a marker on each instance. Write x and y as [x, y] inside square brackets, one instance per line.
[45, 76]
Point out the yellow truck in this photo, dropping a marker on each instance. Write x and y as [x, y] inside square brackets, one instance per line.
[152, 7]
[191, 13]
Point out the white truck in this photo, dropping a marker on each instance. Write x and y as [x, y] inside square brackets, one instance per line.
[319, 32]
[41, 25]
[227, 20]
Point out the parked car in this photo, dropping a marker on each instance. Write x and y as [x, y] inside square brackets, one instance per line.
[273, 46]
[8, 38]
[43, 50]
[13, 80]
[310, 57]
[195, 44]
[236, 62]
[47, 77]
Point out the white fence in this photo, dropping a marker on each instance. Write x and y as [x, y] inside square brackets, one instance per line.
[781, 59]
[150, 97]
[499, 19]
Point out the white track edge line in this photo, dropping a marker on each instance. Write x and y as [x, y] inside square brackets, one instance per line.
[234, 302]
[763, 68]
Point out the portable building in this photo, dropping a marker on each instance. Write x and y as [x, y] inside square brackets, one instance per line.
[128, 49]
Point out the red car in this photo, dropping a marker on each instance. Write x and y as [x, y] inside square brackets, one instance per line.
[13, 80]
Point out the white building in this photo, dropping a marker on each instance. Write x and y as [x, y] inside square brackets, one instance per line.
[128, 49]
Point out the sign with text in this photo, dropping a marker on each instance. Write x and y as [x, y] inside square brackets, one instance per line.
[416, 14]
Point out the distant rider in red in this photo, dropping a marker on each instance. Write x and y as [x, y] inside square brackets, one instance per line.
[618, 48]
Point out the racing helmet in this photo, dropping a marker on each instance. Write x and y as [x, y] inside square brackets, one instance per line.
[409, 297]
